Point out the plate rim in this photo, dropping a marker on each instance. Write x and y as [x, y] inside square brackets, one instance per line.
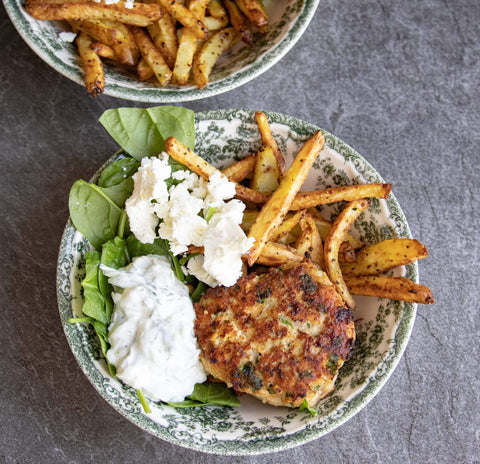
[169, 95]
[309, 433]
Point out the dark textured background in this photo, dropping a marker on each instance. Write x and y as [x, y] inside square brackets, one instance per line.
[399, 81]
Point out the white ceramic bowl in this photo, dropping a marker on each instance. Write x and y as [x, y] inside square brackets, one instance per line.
[383, 326]
[288, 21]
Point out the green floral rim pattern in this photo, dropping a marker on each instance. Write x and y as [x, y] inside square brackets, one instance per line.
[383, 326]
[288, 19]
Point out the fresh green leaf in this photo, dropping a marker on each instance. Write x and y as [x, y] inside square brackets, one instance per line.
[94, 305]
[199, 291]
[142, 132]
[120, 192]
[136, 248]
[209, 393]
[94, 214]
[305, 407]
[118, 171]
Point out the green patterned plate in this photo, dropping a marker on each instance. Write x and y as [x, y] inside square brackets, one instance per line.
[288, 21]
[383, 326]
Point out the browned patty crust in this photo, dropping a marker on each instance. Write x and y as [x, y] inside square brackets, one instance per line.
[280, 336]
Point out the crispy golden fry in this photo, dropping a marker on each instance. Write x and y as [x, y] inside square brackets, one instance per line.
[276, 254]
[152, 56]
[309, 242]
[141, 14]
[332, 245]
[381, 257]
[255, 12]
[269, 141]
[276, 208]
[266, 175]
[209, 54]
[92, 64]
[346, 253]
[105, 51]
[240, 22]
[216, 9]
[114, 34]
[144, 71]
[306, 200]
[396, 288]
[164, 35]
[215, 24]
[185, 17]
[188, 45]
[287, 225]
[240, 170]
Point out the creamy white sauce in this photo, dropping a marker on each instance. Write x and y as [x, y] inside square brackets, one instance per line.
[153, 346]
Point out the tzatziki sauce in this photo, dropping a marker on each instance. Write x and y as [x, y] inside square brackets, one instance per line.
[153, 346]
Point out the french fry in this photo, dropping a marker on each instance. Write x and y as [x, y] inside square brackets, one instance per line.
[309, 242]
[396, 288]
[287, 225]
[273, 212]
[266, 174]
[92, 64]
[255, 12]
[332, 244]
[104, 51]
[144, 71]
[152, 56]
[240, 22]
[185, 17]
[240, 170]
[209, 54]
[215, 24]
[164, 35]
[346, 253]
[305, 200]
[385, 255]
[216, 9]
[276, 254]
[269, 141]
[140, 14]
[188, 45]
[114, 34]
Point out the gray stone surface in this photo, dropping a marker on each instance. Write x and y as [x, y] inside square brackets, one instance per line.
[397, 80]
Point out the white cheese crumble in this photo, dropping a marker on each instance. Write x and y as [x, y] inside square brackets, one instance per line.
[192, 211]
[153, 346]
[67, 36]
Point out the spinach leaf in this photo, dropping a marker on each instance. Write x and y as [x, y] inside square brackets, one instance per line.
[141, 132]
[94, 305]
[305, 407]
[136, 248]
[209, 393]
[118, 171]
[114, 255]
[95, 211]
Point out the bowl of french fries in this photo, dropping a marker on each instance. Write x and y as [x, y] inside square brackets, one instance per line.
[309, 196]
[159, 50]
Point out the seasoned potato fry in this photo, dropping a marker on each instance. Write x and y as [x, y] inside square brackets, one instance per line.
[279, 203]
[240, 170]
[209, 54]
[269, 141]
[346, 253]
[396, 288]
[309, 242]
[240, 22]
[287, 225]
[276, 254]
[381, 257]
[215, 8]
[332, 245]
[141, 14]
[266, 174]
[152, 56]
[164, 35]
[185, 17]
[144, 71]
[105, 51]
[92, 64]
[254, 11]
[215, 24]
[305, 200]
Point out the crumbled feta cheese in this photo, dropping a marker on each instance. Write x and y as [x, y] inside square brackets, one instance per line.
[191, 212]
[129, 4]
[67, 36]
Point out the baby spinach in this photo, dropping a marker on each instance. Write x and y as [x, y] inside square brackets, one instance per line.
[118, 171]
[142, 132]
[209, 393]
[95, 211]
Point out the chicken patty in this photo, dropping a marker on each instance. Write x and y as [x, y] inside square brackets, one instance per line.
[280, 336]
